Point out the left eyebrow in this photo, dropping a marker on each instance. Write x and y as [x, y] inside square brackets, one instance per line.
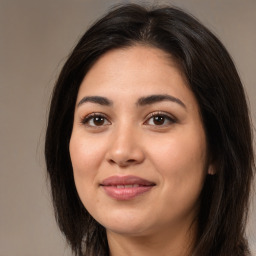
[151, 99]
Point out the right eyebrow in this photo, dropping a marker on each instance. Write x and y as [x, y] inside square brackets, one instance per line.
[95, 99]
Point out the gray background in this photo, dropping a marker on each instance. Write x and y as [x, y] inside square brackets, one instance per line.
[35, 38]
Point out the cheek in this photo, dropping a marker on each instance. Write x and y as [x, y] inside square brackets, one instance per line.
[180, 161]
[85, 163]
[85, 155]
[182, 182]
[183, 152]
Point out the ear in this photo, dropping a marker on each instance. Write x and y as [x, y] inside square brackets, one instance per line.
[211, 170]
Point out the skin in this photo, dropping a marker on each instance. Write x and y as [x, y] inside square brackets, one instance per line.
[127, 140]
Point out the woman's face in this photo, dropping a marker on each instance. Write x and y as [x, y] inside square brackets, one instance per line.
[138, 146]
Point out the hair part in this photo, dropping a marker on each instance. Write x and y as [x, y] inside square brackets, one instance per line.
[213, 79]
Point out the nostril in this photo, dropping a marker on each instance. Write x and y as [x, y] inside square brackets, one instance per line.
[125, 156]
[122, 163]
[131, 161]
[112, 161]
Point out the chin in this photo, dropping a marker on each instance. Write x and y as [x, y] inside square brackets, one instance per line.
[128, 230]
[125, 223]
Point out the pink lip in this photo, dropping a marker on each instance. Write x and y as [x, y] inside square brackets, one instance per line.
[126, 187]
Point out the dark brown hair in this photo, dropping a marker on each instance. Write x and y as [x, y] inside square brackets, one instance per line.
[213, 79]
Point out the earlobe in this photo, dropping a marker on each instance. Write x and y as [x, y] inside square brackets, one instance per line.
[211, 170]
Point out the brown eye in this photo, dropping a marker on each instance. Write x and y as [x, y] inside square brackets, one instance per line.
[95, 120]
[160, 120]
[98, 120]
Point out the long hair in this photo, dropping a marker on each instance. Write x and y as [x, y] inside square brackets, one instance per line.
[213, 79]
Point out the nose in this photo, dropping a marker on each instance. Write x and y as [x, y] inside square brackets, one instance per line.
[126, 148]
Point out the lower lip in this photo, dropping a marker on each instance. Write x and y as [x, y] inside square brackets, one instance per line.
[125, 193]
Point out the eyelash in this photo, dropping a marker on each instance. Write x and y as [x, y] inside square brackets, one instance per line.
[167, 117]
[88, 118]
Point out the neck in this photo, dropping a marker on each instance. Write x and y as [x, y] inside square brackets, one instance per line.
[176, 243]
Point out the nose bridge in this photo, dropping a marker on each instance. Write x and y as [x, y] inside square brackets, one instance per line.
[126, 147]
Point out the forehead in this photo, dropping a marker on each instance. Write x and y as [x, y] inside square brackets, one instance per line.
[139, 60]
[125, 75]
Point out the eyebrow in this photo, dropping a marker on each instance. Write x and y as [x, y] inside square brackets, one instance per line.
[95, 99]
[151, 99]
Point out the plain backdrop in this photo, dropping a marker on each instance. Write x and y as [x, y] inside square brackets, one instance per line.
[35, 38]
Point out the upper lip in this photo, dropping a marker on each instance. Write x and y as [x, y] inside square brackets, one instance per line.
[126, 180]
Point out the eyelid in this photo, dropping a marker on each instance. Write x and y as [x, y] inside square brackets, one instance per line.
[161, 113]
[84, 120]
[87, 118]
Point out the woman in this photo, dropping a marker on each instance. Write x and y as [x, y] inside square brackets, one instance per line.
[148, 144]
